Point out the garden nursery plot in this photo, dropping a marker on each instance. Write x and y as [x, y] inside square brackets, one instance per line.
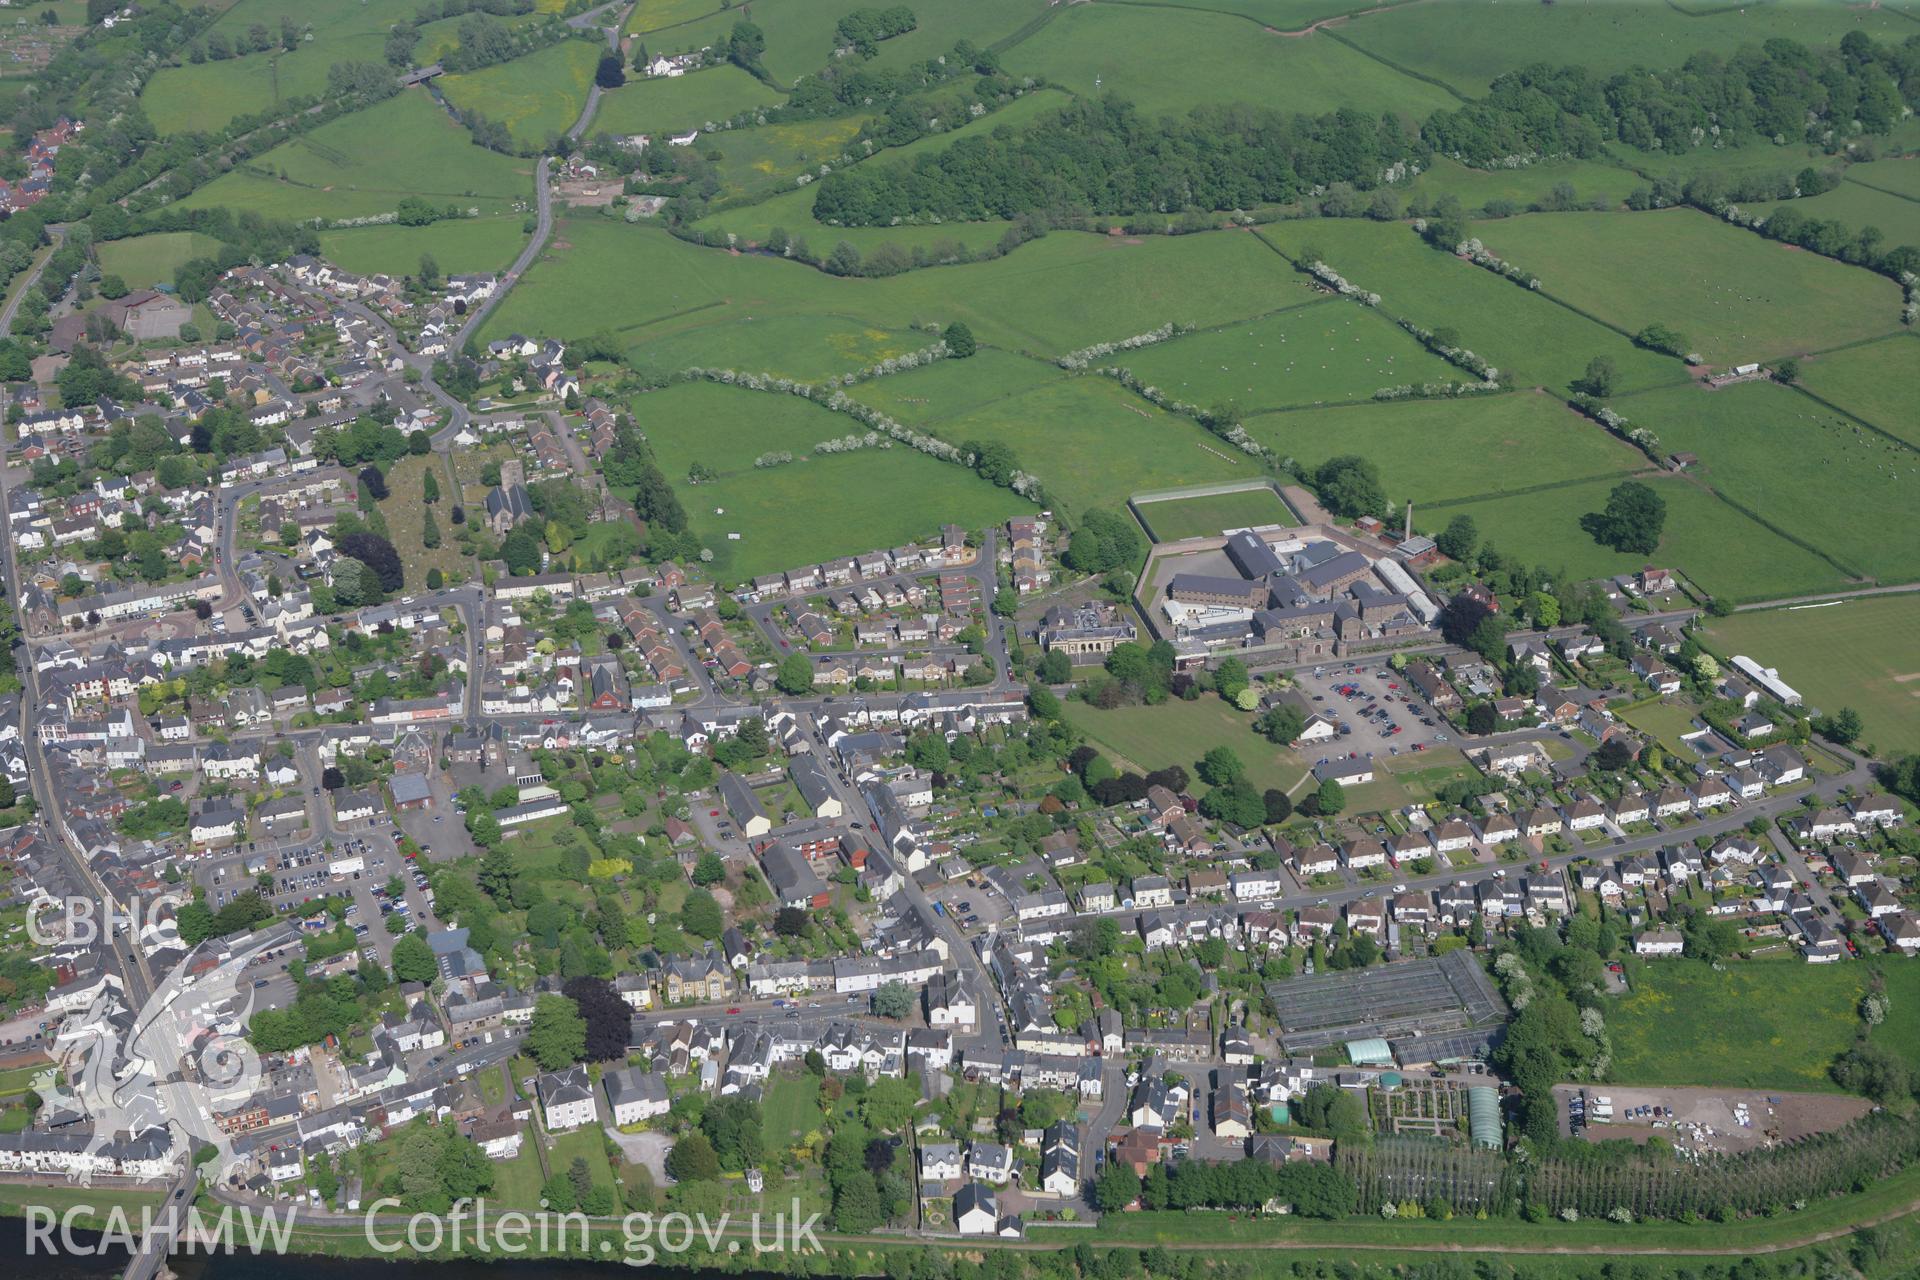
[1735, 296]
[1325, 350]
[367, 162]
[1825, 481]
[1848, 653]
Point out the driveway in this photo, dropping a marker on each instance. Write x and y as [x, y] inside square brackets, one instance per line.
[649, 1149]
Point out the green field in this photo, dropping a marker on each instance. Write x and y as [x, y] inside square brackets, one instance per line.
[1727, 553]
[537, 97]
[1879, 382]
[1901, 177]
[1323, 351]
[1454, 41]
[205, 95]
[942, 392]
[1590, 179]
[1176, 518]
[144, 261]
[460, 245]
[800, 512]
[650, 15]
[1734, 295]
[1093, 443]
[1855, 206]
[767, 160]
[1774, 1024]
[1856, 653]
[366, 162]
[1054, 295]
[1535, 341]
[1434, 450]
[1176, 732]
[1169, 60]
[1832, 484]
[772, 156]
[661, 106]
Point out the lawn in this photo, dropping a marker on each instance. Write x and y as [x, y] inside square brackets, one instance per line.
[790, 1111]
[1054, 295]
[144, 261]
[366, 162]
[1734, 295]
[1536, 341]
[661, 106]
[537, 97]
[1775, 1024]
[1456, 42]
[1204, 517]
[780, 513]
[458, 245]
[1176, 732]
[1826, 481]
[1093, 443]
[1879, 382]
[1321, 351]
[1433, 450]
[1855, 653]
[1668, 722]
[1727, 553]
[1168, 60]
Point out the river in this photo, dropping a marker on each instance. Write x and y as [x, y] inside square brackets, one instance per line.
[108, 1264]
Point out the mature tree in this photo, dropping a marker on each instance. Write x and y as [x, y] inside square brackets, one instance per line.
[1282, 724]
[1482, 719]
[1278, 805]
[413, 960]
[1457, 540]
[1117, 1188]
[1351, 486]
[1220, 766]
[377, 554]
[557, 1035]
[1238, 802]
[893, 1000]
[795, 676]
[709, 870]
[609, 1018]
[693, 1159]
[1600, 377]
[1843, 726]
[700, 915]
[1330, 798]
[1634, 518]
[959, 340]
[610, 74]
